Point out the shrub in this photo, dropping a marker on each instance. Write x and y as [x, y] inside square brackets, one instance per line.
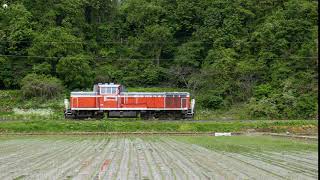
[9, 99]
[152, 75]
[210, 101]
[34, 85]
[263, 90]
[264, 107]
[306, 106]
[285, 106]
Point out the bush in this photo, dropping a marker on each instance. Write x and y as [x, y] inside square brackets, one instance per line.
[285, 105]
[264, 107]
[152, 75]
[9, 99]
[263, 90]
[210, 101]
[306, 106]
[34, 85]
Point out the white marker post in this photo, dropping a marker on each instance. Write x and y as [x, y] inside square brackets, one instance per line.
[222, 134]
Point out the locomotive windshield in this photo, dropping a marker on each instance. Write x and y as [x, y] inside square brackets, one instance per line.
[108, 90]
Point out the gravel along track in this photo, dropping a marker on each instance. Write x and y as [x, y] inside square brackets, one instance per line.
[102, 157]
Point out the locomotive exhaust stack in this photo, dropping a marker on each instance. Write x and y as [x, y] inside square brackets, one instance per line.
[113, 100]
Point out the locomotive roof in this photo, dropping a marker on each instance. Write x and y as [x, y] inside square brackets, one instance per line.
[81, 93]
[155, 93]
[108, 85]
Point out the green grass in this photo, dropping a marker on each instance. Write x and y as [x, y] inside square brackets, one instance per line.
[250, 143]
[58, 124]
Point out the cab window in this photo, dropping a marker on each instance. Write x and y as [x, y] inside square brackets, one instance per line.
[103, 90]
[108, 90]
[113, 90]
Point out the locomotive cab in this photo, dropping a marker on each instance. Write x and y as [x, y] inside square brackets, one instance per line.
[109, 89]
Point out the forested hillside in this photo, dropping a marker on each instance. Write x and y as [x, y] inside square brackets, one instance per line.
[262, 53]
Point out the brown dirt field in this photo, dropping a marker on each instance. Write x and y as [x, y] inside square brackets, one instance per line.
[106, 157]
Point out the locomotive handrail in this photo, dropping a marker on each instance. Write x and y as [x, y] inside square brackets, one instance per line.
[84, 93]
[154, 93]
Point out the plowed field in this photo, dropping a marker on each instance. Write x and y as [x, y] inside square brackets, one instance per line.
[96, 157]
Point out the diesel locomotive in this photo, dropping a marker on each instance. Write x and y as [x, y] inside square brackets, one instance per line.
[113, 100]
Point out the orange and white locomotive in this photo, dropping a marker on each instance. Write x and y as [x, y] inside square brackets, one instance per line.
[113, 100]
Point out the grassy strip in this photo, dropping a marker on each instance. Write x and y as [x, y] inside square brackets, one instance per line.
[51, 125]
[249, 143]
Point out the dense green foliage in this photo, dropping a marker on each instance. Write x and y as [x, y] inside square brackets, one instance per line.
[259, 52]
[43, 86]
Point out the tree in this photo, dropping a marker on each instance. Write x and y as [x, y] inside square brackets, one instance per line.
[106, 73]
[16, 36]
[187, 16]
[153, 40]
[6, 75]
[219, 75]
[187, 60]
[261, 53]
[141, 13]
[16, 31]
[75, 71]
[53, 45]
[43, 68]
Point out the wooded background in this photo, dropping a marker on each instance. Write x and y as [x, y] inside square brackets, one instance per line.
[263, 53]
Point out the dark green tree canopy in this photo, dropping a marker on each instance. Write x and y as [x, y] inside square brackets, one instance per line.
[75, 71]
[262, 53]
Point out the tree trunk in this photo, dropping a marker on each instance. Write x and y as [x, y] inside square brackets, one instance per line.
[158, 53]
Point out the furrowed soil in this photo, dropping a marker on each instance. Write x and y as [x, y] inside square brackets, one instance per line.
[156, 157]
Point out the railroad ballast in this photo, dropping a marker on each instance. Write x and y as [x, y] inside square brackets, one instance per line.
[114, 101]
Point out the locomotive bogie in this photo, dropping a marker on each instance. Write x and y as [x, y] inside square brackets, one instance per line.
[123, 114]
